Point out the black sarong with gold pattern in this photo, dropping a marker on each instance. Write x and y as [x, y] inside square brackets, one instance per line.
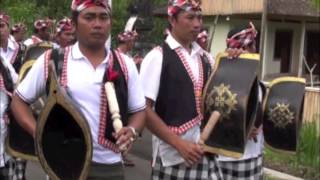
[233, 91]
[283, 113]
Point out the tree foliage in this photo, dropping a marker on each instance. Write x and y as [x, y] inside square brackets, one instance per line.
[316, 4]
[28, 11]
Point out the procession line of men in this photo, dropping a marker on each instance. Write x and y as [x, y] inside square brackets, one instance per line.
[12, 49]
[163, 96]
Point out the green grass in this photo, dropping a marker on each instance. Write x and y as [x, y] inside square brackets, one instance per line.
[306, 162]
[268, 178]
[308, 152]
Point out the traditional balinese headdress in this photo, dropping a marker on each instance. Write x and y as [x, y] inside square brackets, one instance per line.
[4, 17]
[79, 5]
[129, 32]
[18, 27]
[64, 25]
[186, 5]
[127, 36]
[40, 24]
[242, 38]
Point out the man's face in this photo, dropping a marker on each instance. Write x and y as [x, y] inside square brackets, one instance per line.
[65, 38]
[44, 34]
[93, 26]
[130, 44]
[203, 42]
[19, 36]
[187, 25]
[4, 31]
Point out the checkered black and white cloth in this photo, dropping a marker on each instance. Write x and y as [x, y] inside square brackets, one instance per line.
[249, 169]
[20, 169]
[13, 169]
[207, 169]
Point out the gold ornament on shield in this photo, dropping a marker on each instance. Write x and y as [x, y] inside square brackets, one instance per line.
[222, 99]
[281, 115]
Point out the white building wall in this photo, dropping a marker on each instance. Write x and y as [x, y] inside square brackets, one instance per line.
[270, 66]
[220, 34]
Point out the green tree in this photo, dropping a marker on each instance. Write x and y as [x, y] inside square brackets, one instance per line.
[317, 4]
[28, 11]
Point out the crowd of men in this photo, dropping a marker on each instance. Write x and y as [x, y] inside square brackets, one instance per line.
[163, 96]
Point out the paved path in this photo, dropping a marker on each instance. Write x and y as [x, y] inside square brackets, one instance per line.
[141, 156]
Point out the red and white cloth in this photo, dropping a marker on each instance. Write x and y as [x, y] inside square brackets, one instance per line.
[127, 36]
[186, 5]
[4, 17]
[64, 25]
[79, 5]
[41, 24]
[18, 27]
[242, 38]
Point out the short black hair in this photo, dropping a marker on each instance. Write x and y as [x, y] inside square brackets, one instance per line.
[175, 15]
[74, 16]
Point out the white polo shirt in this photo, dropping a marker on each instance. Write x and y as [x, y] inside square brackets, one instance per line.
[84, 84]
[9, 54]
[150, 72]
[32, 40]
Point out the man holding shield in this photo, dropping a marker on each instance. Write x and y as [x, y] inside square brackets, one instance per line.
[173, 77]
[86, 63]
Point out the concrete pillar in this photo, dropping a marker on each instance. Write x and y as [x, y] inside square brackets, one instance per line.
[301, 49]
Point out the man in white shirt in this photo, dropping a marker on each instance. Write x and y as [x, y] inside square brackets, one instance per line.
[18, 32]
[64, 33]
[41, 32]
[8, 76]
[85, 65]
[173, 77]
[249, 166]
[9, 49]
[126, 41]
[202, 40]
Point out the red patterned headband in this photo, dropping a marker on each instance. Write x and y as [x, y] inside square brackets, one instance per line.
[127, 36]
[64, 25]
[4, 17]
[186, 5]
[18, 27]
[79, 5]
[40, 24]
[242, 38]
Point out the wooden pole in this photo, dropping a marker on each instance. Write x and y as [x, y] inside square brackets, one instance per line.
[263, 37]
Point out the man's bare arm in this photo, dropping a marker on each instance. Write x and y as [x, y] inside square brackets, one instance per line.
[190, 151]
[23, 114]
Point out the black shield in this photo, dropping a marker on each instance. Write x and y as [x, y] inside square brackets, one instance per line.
[283, 113]
[233, 91]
